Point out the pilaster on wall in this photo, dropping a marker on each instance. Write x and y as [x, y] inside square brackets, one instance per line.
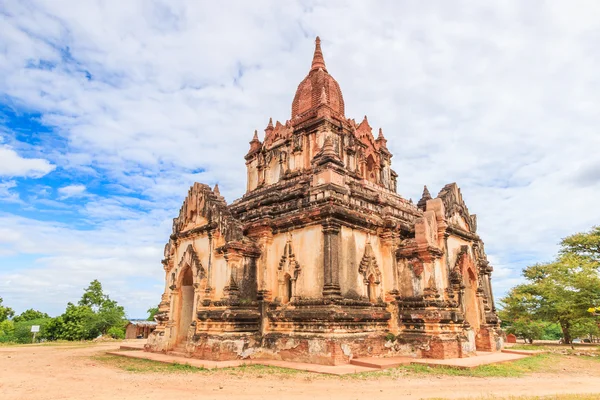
[264, 237]
[331, 258]
[390, 242]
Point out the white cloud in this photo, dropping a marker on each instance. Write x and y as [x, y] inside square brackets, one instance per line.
[6, 194]
[71, 191]
[13, 165]
[502, 99]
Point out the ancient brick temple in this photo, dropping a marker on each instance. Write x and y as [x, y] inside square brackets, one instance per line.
[321, 260]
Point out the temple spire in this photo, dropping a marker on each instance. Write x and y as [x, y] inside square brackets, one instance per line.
[381, 140]
[318, 60]
[426, 193]
[422, 204]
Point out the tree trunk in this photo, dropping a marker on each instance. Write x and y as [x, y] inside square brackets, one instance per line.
[565, 325]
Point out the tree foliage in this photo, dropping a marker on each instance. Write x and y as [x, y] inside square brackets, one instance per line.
[561, 291]
[94, 315]
[29, 315]
[152, 311]
[5, 312]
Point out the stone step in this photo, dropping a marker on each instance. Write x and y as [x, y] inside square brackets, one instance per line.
[381, 363]
[177, 353]
[132, 348]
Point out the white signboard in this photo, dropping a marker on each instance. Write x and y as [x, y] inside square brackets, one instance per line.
[35, 328]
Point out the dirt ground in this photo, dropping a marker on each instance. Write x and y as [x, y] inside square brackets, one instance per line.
[71, 372]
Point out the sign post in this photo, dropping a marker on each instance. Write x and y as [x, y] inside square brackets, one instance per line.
[35, 329]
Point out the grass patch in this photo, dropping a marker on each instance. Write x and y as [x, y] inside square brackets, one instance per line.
[141, 365]
[516, 368]
[257, 369]
[531, 347]
[50, 344]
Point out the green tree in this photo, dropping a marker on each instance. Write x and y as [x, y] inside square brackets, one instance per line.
[76, 323]
[93, 296]
[29, 315]
[108, 312]
[7, 329]
[152, 311]
[5, 312]
[93, 315]
[552, 331]
[586, 244]
[563, 290]
[23, 334]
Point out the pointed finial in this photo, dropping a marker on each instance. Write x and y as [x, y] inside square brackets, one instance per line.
[216, 190]
[422, 204]
[426, 193]
[381, 141]
[318, 61]
[270, 126]
[254, 143]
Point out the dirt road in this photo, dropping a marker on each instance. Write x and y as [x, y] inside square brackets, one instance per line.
[69, 372]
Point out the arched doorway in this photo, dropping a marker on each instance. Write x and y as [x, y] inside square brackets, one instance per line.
[186, 303]
[371, 168]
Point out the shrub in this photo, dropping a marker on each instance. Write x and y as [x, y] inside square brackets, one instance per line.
[116, 333]
[22, 333]
[7, 330]
[390, 337]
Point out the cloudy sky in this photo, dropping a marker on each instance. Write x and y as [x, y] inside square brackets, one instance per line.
[110, 110]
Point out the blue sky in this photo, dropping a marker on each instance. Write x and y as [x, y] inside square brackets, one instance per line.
[110, 110]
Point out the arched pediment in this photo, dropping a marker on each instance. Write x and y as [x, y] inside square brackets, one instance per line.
[190, 258]
[456, 210]
[288, 264]
[368, 266]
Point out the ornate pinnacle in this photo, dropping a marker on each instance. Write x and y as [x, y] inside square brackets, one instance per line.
[216, 190]
[327, 153]
[426, 193]
[380, 139]
[270, 125]
[318, 61]
[254, 143]
[426, 196]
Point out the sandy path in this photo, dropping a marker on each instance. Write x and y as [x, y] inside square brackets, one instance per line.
[52, 372]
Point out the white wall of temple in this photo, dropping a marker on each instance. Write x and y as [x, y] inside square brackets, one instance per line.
[454, 244]
[307, 245]
[352, 249]
[219, 274]
[252, 175]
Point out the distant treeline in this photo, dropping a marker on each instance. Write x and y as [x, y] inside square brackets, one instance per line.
[94, 315]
